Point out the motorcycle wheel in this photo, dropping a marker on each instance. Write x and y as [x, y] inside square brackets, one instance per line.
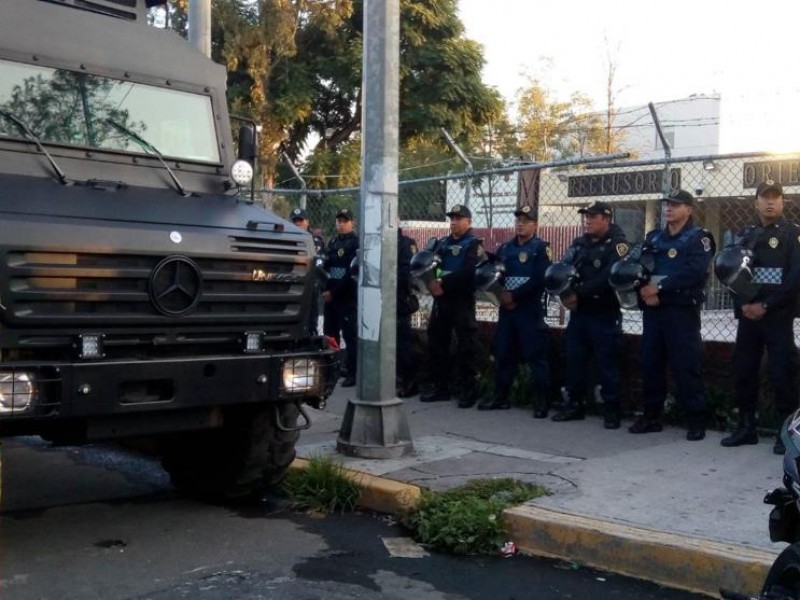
[783, 579]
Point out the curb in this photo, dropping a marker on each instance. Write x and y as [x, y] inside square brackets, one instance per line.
[378, 494]
[675, 561]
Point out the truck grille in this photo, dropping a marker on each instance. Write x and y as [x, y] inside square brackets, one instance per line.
[65, 288]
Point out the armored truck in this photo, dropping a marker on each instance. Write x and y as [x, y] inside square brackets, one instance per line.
[142, 295]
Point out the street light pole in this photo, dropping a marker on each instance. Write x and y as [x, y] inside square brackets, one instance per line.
[375, 424]
[200, 25]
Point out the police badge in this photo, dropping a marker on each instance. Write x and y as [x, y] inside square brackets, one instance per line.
[340, 252]
[672, 253]
[523, 257]
[455, 250]
[596, 263]
[773, 242]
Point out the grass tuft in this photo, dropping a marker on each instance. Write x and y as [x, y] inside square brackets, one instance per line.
[468, 519]
[322, 488]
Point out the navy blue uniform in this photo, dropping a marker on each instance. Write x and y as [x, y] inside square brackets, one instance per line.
[454, 311]
[521, 334]
[406, 248]
[776, 268]
[595, 326]
[671, 333]
[313, 320]
[341, 313]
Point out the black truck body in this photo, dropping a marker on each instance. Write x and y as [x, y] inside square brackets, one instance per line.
[132, 305]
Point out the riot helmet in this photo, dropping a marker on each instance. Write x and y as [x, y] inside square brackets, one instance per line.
[423, 269]
[626, 277]
[559, 279]
[732, 268]
[489, 276]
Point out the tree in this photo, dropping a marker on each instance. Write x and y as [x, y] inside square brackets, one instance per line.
[295, 66]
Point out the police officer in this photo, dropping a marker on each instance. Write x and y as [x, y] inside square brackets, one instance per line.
[521, 334]
[340, 295]
[407, 305]
[681, 253]
[595, 321]
[299, 218]
[765, 320]
[454, 311]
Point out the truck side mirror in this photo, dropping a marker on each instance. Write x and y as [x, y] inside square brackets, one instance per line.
[247, 143]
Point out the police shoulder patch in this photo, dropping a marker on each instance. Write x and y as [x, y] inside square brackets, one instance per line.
[413, 248]
[622, 249]
[549, 252]
[706, 241]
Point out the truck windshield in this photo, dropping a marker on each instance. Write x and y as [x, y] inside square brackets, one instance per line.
[68, 107]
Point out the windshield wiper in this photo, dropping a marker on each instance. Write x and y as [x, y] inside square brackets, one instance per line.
[26, 131]
[148, 146]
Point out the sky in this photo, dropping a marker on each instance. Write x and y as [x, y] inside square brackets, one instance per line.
[747, 52]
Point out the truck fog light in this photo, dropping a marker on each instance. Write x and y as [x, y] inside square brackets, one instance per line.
[17, 391]
[92, 346]
[252, 341]
[301, 376]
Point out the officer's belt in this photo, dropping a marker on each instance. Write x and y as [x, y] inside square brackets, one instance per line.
[770, 275]
[512, 283]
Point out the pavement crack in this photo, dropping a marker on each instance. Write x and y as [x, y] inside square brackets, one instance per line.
[566, 480]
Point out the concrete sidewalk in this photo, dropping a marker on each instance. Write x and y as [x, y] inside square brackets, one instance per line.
[685, 514]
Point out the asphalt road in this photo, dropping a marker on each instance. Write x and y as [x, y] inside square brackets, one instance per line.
[104, 523]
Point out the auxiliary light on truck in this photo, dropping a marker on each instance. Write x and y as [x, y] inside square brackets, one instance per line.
[17, 391]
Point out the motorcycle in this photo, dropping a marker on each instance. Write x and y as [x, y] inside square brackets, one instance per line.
[783, 579]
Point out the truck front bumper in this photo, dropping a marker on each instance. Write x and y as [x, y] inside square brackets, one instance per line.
[40, 393]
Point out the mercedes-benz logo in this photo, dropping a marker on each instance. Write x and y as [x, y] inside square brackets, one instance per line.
[176, 286]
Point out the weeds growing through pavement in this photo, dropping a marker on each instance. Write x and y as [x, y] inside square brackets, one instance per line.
[322, 488]
[468, 519]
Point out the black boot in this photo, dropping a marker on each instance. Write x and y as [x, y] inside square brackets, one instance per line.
[436, 395]
[649, 422]
[696, 426]
[612, 415]
[745, 433]
[572, 411]
[498, 402]
[540, 405]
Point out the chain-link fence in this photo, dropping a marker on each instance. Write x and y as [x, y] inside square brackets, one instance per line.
[724, 186]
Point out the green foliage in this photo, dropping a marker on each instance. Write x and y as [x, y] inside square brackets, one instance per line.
[468, 520]
[323, 487]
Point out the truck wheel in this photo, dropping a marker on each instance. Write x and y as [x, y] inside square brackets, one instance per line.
[247, 454]
[783, 579]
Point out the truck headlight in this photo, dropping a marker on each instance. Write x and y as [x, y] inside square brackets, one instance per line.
[302, 376]
[17, 390]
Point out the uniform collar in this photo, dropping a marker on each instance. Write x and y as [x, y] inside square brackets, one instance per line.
[688, 225]
[779, 223]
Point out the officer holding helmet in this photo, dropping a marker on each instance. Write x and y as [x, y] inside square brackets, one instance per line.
[299, 218]
[681, 253]
[766, 316]
[521, 334]
[454, 310]
[341, 292]
[595, 322]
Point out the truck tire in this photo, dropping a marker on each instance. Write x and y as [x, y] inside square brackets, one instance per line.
[783, 579]
[246, 455]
